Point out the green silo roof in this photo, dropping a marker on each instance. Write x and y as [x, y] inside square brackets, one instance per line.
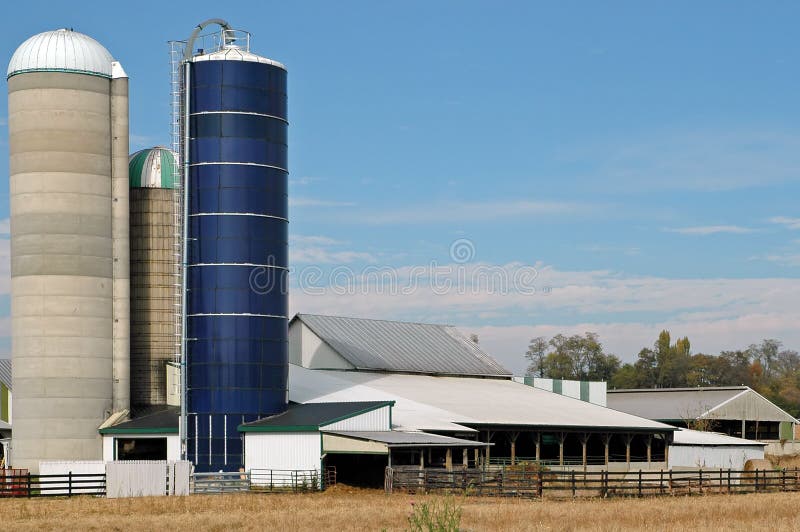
[153, 168]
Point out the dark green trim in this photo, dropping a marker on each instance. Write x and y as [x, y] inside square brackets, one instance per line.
[163, 430]
[584, 391]
[390, 404]
[312, 428]
[65, 70]
[281, 428]
[558, 386]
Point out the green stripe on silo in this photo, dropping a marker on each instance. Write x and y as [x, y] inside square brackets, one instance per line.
[557, 386]
[3, 402]
[135, 167]
[584, 391]
[168, 169]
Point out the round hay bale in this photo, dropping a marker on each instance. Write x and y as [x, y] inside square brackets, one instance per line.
[757, 463]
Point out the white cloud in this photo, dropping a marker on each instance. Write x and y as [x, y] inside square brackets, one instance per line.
[789, 223]
[459, 211]
[710, 230]
[317, 249]
[314, 202]
[305, 180]
[5, 227]
[787, 259]
[628, 311]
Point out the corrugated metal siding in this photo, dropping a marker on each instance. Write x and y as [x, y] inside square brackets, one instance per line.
[136, 478]
[713, 457]
[5, 371]
[375, 420]
[400, 346]
[282, 450]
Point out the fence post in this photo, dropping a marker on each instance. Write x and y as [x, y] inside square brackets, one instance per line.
[720, 480]
[69, 488]
[701, 480]
[783, 479]
[640, 483]
[729, 480]
[670, 482]
[573, 483]
[661, 482]
[29, 484]
[756, 480]
[539, 485]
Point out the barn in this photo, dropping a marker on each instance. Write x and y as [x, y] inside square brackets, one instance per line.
[736, 411]
[694, 449]
[447, 403]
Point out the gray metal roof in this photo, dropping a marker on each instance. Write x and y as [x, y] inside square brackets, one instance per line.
[400, 439]
[403, 347]
[681, 404]
[311, 416]
[5, 372]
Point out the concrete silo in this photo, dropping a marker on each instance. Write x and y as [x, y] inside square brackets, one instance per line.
[236, 247]
[68, 135]
[153, 175]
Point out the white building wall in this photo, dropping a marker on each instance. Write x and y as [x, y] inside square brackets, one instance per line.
[306, 349]
[571, 389]
[374, 420]
[713, 457]
[597, 393]
[282, 450]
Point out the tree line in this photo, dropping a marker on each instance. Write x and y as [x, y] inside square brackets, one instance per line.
[766, 367]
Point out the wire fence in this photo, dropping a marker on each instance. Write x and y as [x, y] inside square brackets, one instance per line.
[532, 483]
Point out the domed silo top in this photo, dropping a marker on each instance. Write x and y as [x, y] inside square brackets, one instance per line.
[236, 53]
[63, 50]
[153, 168]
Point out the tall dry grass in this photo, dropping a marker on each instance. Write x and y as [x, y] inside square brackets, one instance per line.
[344, 510]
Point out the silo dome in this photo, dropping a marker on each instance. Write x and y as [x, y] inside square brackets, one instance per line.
[153, 168]
[61, 50]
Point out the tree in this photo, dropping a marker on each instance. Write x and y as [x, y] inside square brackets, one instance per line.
[537, 350]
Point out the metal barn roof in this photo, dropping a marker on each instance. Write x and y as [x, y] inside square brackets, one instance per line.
[681, 404]
[5, 372]
[310, 417]
[711, 439]
[381, 345]
[394, 438]
[460, 404]
[161, 421]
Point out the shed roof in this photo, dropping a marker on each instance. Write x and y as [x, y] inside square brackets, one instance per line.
[5, 372]
[460, 404]
[161, 421]
[310, 417]
[394, 438]
[711, 439]
[382, 345]
[680, 404]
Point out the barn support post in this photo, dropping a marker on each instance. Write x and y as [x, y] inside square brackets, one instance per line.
[744, 427]
[512, 437]
[465, 457]
[422, 459]
[448, 459]
[489, 436]
[537, 438]
[649, 449]
[628, 440]
[477, 456]
[584, 443]
[606, 444]
[561, 437]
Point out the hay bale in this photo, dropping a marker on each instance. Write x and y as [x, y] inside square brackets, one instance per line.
[757, 463]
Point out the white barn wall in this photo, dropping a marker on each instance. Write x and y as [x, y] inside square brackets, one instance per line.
[597, 392]
[374, 420]
[697, 456]
[571, 389]
[282, 450]
[306, 349]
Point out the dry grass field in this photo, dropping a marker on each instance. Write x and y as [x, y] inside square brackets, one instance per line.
[343, 509]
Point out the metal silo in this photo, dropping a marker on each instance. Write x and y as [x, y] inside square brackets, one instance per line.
[235, 152]
[153, 266]
[68, 136]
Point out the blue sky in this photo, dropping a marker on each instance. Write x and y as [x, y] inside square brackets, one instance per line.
[642, 160]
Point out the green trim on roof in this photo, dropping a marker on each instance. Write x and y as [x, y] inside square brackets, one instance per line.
[139, 430]
[64, 70]
[250, 427]
[279, 428]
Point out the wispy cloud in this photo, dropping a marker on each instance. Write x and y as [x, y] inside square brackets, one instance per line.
[315, 202]
[5, 227]
[710, 230]
[317, 249]
[789, 223]
[786, 259]
[305, 180]
[462, 211]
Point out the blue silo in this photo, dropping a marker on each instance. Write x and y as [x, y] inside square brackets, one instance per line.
[236, 248]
